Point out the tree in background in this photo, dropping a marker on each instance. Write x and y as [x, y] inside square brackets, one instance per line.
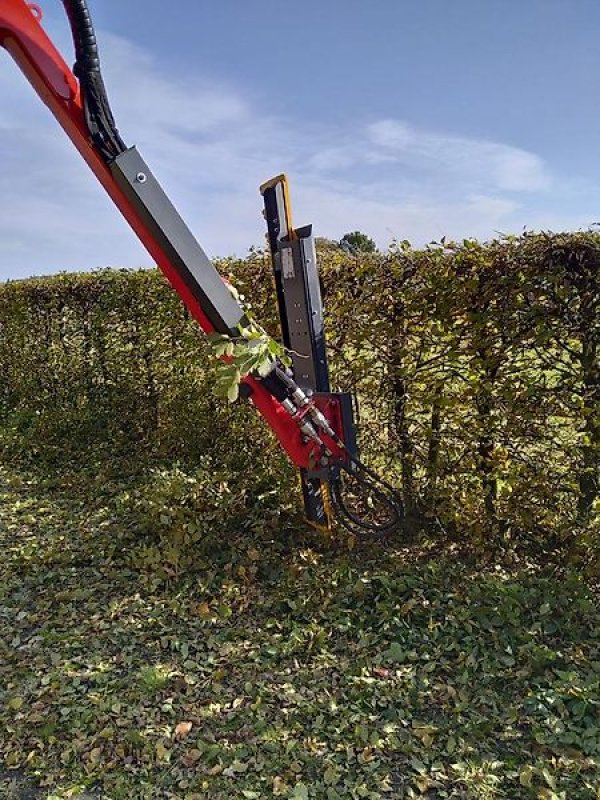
[357, 242]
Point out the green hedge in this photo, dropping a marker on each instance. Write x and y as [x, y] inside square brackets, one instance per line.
[476, 367]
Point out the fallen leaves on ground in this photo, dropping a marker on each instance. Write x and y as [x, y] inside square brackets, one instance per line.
[284, 666]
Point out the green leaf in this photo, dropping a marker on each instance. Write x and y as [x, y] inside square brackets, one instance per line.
[265, 368]
[330, 776]
[395, 653]
[162, 754]
[526, 776]
[233, 392]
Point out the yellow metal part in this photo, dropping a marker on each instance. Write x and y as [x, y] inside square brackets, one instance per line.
[328, 508]
[327, 504]
[273, 183]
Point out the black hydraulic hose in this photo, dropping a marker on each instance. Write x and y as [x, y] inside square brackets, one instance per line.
[275, 386]
[385, 495]
[84, 36]
[99, 117]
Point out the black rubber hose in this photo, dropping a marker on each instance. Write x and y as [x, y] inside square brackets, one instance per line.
[84, 36]
[273, 384]
[100, 121]
[385, 495]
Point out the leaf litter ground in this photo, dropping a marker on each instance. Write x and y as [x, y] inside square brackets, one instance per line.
[283, 666]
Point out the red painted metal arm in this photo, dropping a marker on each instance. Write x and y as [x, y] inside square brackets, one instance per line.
[21, 33]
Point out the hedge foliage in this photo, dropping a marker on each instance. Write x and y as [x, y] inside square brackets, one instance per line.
[476, 367]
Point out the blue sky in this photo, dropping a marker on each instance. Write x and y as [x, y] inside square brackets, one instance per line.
[403, 119]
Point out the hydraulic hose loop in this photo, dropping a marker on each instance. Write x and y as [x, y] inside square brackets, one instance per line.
[386, 496]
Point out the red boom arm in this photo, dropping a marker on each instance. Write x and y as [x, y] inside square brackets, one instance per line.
[21, 33]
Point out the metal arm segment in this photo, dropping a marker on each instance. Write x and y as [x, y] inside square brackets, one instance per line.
[144, 206]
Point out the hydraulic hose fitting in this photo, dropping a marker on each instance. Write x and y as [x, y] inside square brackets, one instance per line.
[304, 424]
[322, 422]
[289, 407]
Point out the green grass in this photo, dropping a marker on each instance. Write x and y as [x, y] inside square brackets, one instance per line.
[284, 665]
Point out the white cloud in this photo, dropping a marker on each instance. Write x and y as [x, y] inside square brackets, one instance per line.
[498, 166]
[474, 163]
[420, 220]
[212, 147]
